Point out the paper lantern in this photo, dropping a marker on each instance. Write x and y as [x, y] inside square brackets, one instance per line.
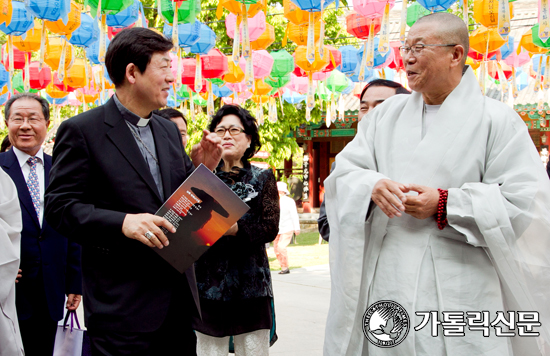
[379, 59]
[517, 60]
[17, 83]
[321, 75]
[61, 85]
[265, 40]
[55, 92]
[349, 89]
[256, 26]
[297, 16]
[126, 17]
[359, 26]
[18, 58]
[234, 73]
[66, 28]
[486, 12]
[60, 101]
[188, 70]
[493, 71]
[39, 79]
[414, 12]
[261, 87]
[278, 82]
[337, 81]
[318, 64]
[537, 40]
[53, 52]
[87, 33]
[30, 41]
[535, 60]
[506, 50]
[486, 38]
[236, 7]
[76, 75]
[371, 8]
[293, 97]
[87, 95]
[21, 20]
[198, 100]
[262, 63]
[4, 98]
[349, 59]
[237, 87]
[260, 99]
[397, 61]
[298, 84]
[436, 5]
[4, 76]
[110, 6]
[51, 10]
[6, 10]
[283, 63]
[298, 33]
[479, 56]
[214, 64]
[335, 59]
[222, 91]
[472, 63]
[92, 52]
[188, 33]
[206, 42]
[312, 5]
[187, 10]
[528, 44]
[323, 92]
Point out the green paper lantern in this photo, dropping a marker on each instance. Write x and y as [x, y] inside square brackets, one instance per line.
[17, 82]
[198, 100]
[323, 92]
[337, 82]
[187, 12]
[278, 82]
[183, 92]
[217, 81]
[536, 39]
[283, 63]
[109, 6]
[414, 12]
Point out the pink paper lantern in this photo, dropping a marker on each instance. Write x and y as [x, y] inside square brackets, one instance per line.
[256, 26]
[262, 63]
[321, 75]
[299, 84]
[371, 8]
[387, 62]
[517, 60]
[238, 87]
[73, 101]
[174, 63]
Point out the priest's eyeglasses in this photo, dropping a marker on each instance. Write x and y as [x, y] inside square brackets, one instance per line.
[233, 131]
[417, 48]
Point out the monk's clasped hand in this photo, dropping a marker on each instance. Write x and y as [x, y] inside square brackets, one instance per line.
[424, 205]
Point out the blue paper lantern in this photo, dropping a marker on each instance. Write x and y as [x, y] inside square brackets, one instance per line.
[4, 76]
[221, 92]
[313, 5]
[506, 50]
[349, 59]
[188, 33]
[22, 20]
[92, 52]
[206, 42]
[51, 10]
[536, 59]
[125, 17]
[292, 97]
[171, 102]
[436, 5]
[379, 59]
[354, 77]
[522, 79]
[87, 33]
[4, 98]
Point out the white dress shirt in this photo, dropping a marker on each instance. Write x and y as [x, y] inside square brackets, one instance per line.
[23, 157]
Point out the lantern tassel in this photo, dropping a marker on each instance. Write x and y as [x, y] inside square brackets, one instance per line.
[341, 108]
[310, 92]
[465, 11]
[102, 38]
[514, 86]
[236, 56]
[384, 43]
[210, 102]
[502, 79]
[370, 49]
[328, 116]
[26, 82]
[544, 20]
[249, 74]
[504, 19]
[42, 46]
[246, 34]
[61, 67]
[191, 105]
[546, 82]
[175, 38]
[539, 73]
[179, 74]
[363, 63]
[198, 74]
[310, 40]
[321, 33]
[403, 28]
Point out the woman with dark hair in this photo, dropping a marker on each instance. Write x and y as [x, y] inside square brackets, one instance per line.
[233, 276]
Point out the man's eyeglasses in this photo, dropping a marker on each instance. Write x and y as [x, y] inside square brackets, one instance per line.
[31, 120]
[417, 48]
[233, 131]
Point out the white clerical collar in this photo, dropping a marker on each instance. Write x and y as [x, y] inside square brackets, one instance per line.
[23, 157]
[130, 116]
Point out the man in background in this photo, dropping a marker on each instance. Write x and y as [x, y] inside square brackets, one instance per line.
[177, 118]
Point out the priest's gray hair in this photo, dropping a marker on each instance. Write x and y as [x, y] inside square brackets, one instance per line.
[450, 29]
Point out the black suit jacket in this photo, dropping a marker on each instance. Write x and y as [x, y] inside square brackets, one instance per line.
[98, 176]
[48, 259]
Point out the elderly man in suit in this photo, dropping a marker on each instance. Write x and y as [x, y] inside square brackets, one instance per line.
[114, 166]
[50, 264]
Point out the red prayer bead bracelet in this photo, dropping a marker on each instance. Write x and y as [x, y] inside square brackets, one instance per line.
[441, 215]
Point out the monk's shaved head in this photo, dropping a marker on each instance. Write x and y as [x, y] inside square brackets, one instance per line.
[448, 28]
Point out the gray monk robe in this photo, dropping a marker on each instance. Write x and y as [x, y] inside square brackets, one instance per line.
[494, 254]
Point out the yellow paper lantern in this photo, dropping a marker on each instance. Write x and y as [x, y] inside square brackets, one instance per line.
[72, 24]
[300, 58]
[86, 95]
[484, 40]
[527, 43]
[236, 7]
[5, 12]
[31, 42]
[53, 53]
[298, 33]
[4, 90]
[256, 98]
[486, 12]
[265, 40]
[76, 75]
[297, 16]
[234, 74]
[472, 63]
[55, 92]
[261, 87]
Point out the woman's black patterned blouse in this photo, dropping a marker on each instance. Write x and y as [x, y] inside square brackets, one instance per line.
[236, 267]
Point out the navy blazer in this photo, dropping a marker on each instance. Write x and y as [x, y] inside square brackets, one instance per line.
[42, 249]
[98, 176]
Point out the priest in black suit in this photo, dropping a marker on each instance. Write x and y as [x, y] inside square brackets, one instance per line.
[113, 167]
